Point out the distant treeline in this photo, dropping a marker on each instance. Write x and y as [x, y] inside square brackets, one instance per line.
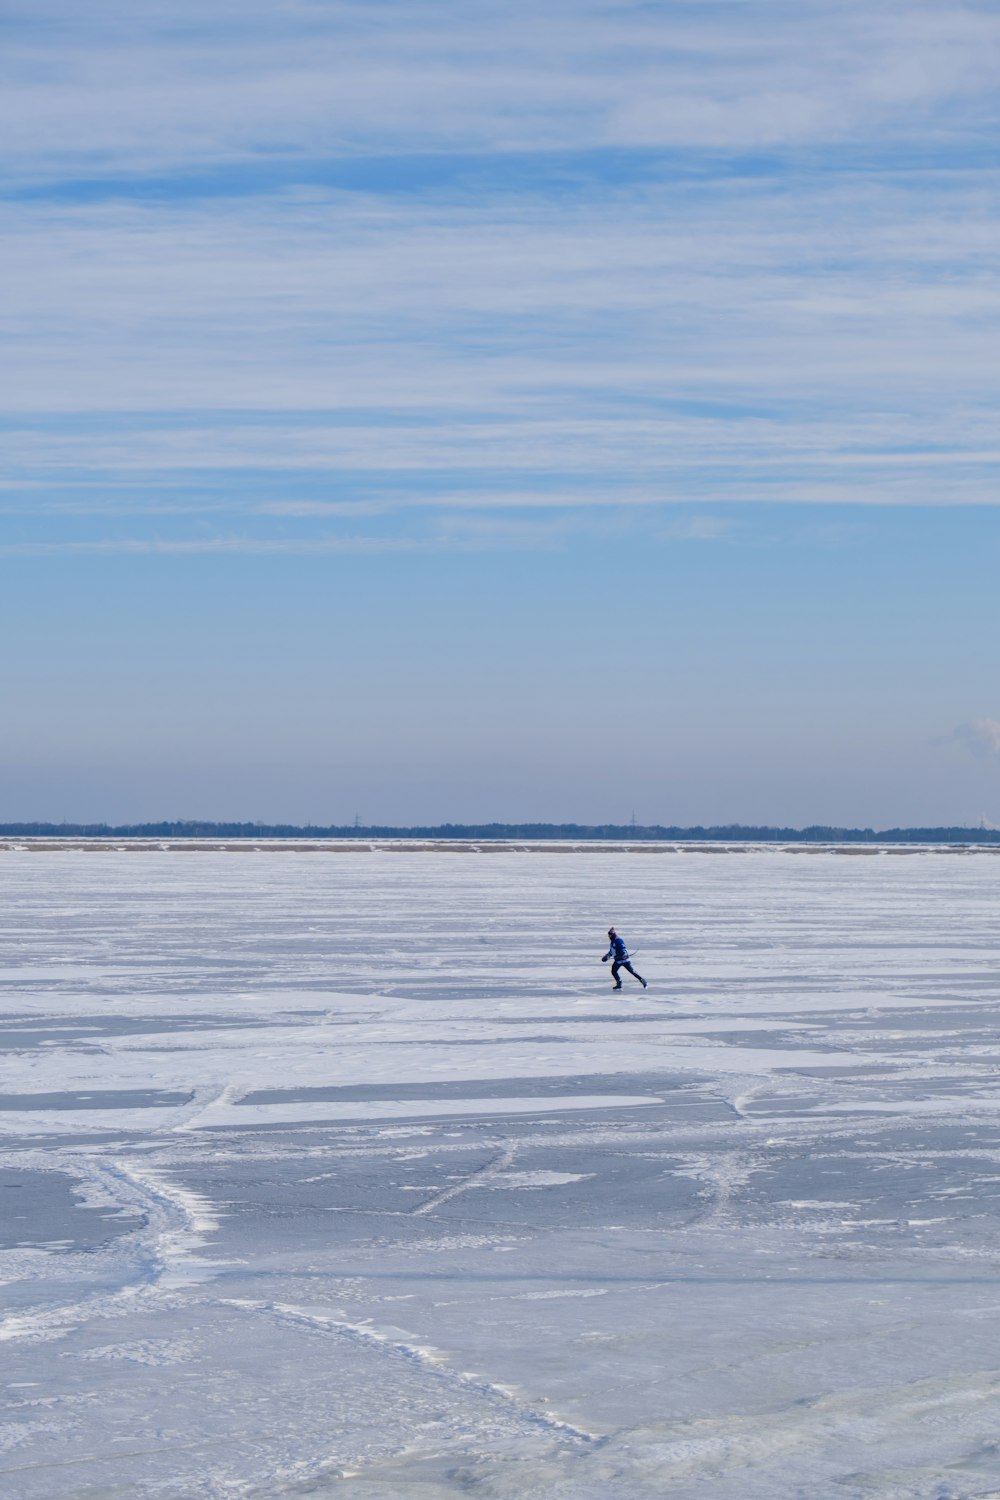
[727, 833]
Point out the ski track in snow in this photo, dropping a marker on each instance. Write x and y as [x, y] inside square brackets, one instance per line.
[747, 1243]
[503, 1160]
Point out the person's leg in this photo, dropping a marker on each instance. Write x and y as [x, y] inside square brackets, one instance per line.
[628, 966]
[616, 977]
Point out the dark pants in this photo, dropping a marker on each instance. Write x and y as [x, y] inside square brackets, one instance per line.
[623, 963]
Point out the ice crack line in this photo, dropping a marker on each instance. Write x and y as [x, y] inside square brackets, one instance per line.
[500, 1163]
[430, 1361]
[174, 1223]
[206, 1099]
[185, 1217]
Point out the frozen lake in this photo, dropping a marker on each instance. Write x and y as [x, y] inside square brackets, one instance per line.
[344, 1173]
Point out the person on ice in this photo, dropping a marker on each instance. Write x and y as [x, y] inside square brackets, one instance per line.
[619, 953]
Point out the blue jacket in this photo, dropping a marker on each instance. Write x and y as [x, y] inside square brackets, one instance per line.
[619, 950]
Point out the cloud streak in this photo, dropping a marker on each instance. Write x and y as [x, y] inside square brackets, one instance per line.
[591, 255]
[142, 88]
[981, 738]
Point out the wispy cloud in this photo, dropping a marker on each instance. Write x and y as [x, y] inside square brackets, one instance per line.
[168, 85]
[468, 536]
[594, 254]
[191, 546]
[698, 529]
[981, 737]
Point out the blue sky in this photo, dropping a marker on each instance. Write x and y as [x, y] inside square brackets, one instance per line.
[450, 412]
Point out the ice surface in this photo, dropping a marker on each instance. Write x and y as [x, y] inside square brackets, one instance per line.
[345, 1173]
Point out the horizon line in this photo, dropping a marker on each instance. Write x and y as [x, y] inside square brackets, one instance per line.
[733, 832]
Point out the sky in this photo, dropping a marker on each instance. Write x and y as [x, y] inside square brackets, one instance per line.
[450, 412]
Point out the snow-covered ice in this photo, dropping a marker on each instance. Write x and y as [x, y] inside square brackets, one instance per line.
[343, 1172]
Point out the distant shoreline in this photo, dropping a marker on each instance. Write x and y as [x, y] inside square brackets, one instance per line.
[463, 847]
[496, 835]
